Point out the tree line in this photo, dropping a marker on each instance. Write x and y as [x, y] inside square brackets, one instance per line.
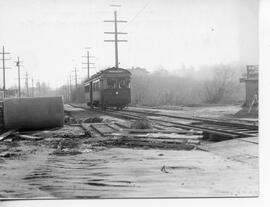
[216, 84]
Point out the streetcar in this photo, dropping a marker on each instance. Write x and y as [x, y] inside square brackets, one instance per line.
[108, 88]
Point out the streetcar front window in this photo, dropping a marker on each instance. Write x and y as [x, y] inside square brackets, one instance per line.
[111, 83]
[124, 83]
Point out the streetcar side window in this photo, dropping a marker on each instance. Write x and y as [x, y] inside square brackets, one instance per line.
[86, 88]
[96, 85]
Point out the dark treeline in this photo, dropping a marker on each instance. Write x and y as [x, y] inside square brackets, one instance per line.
[218, 84]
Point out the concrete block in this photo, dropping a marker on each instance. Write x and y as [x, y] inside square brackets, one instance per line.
[33, 113]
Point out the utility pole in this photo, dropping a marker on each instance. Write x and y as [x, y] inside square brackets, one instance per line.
[116, 33]
[3, 53]
[70, 83]
[26, 84]
[76, 77]
[18, 64]
[32, 87]
[70, 88]
[68, 91]
[88, 63]
[39, 89]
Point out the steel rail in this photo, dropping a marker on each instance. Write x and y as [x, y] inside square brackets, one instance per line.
[206, 120]
[232, 133]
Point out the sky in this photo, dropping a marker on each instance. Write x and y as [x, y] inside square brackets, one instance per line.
[51, 36]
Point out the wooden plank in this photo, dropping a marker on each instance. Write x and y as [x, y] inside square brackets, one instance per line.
[6, 134]
[156, 140]
[28, 137]
[162, 131]
[86, 129]
[157, 136]
[103, 128]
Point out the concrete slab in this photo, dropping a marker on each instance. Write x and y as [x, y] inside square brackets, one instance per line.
[245, 151]
[70, 108]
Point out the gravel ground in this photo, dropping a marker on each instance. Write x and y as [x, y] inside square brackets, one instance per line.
[69, 164]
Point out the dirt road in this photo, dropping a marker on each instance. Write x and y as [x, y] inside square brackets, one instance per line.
[63, 165]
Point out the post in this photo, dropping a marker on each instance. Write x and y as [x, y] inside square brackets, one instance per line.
[116, 41]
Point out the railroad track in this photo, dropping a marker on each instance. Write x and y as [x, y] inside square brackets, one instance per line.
[210, 127]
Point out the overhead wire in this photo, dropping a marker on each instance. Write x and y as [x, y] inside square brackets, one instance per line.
[137, 14]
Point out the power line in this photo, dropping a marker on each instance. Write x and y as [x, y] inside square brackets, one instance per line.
[137, 14]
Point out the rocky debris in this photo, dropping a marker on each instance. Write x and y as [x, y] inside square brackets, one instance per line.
[66, 152]
[141, 124]
[93, 120]
[64, 132]
[9, 155]
[69, 120]
[67, 147]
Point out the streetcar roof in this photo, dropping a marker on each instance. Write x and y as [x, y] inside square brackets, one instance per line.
[109, 72]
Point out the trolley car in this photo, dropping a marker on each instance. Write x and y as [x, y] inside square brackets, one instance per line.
[108, 88]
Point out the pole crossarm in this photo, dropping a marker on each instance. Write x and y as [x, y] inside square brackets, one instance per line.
[5, 59]
[118, 21]
[87, 67]
[89, 56]
[115, 41]
[6, 68]
[115, 5]
[89, 63]
[114, 33]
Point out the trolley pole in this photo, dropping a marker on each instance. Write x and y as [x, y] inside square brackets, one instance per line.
[3, 53]
[116, 33]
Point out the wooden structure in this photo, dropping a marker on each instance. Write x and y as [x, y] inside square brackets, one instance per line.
[251, 82]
